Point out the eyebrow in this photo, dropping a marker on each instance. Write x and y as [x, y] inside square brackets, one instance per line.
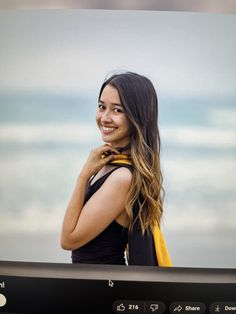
[112, 103]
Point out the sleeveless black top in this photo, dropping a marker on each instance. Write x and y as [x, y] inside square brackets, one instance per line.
[109, 246]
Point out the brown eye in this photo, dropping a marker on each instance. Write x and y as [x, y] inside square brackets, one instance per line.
[101, 106]
[117, 110]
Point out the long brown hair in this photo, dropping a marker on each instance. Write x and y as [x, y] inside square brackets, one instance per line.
[139, 99]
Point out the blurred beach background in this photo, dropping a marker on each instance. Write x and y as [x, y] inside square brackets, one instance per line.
[52, 64]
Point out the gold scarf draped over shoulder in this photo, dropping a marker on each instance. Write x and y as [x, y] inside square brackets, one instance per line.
[121, 159]
[162, 253]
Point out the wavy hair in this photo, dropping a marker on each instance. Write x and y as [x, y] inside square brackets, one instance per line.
[139, 100]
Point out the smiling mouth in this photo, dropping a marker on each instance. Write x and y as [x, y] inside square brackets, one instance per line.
[107, 130]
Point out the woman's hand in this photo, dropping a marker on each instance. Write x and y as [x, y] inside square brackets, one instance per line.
[97, 159]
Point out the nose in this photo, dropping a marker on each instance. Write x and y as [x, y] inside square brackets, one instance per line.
[106, 116]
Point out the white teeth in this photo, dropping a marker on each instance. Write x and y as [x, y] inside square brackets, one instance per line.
[108, 129]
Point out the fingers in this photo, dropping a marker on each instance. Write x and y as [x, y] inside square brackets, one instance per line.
[110, 148]
[102, 155]
[107, 150]
[107, 159]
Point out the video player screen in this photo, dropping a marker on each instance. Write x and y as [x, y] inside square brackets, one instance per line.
[53, 63]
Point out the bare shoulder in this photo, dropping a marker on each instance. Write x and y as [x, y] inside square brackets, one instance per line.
[121, 176]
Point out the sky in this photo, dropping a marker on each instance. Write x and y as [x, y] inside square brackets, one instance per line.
[73, 51]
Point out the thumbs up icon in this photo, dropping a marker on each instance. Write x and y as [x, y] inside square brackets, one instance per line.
[120, 308]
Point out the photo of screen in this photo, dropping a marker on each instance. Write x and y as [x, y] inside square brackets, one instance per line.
[53, 63]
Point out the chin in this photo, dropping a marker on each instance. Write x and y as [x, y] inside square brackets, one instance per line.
[108, 139]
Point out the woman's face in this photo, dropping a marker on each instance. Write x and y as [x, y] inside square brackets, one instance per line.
[111, 118]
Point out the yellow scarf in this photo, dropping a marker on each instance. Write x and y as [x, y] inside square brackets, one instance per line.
[162, 254]
[121, 159]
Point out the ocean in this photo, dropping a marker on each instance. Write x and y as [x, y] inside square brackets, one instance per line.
[45, 138]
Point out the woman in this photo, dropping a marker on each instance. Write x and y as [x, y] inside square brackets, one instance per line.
[118, 199]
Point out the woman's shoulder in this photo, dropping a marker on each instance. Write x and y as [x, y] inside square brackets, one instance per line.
[121, 176]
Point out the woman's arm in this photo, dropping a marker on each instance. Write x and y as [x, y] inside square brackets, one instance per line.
[73, 210]
[81, 224]
[106, 204]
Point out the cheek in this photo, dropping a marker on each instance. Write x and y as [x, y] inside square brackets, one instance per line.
[126, 125]
[98, 117]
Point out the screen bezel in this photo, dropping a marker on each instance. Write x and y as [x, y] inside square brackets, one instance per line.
[210, 6]
[118, 272]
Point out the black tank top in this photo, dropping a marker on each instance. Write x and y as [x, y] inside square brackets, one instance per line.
[109, 246]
